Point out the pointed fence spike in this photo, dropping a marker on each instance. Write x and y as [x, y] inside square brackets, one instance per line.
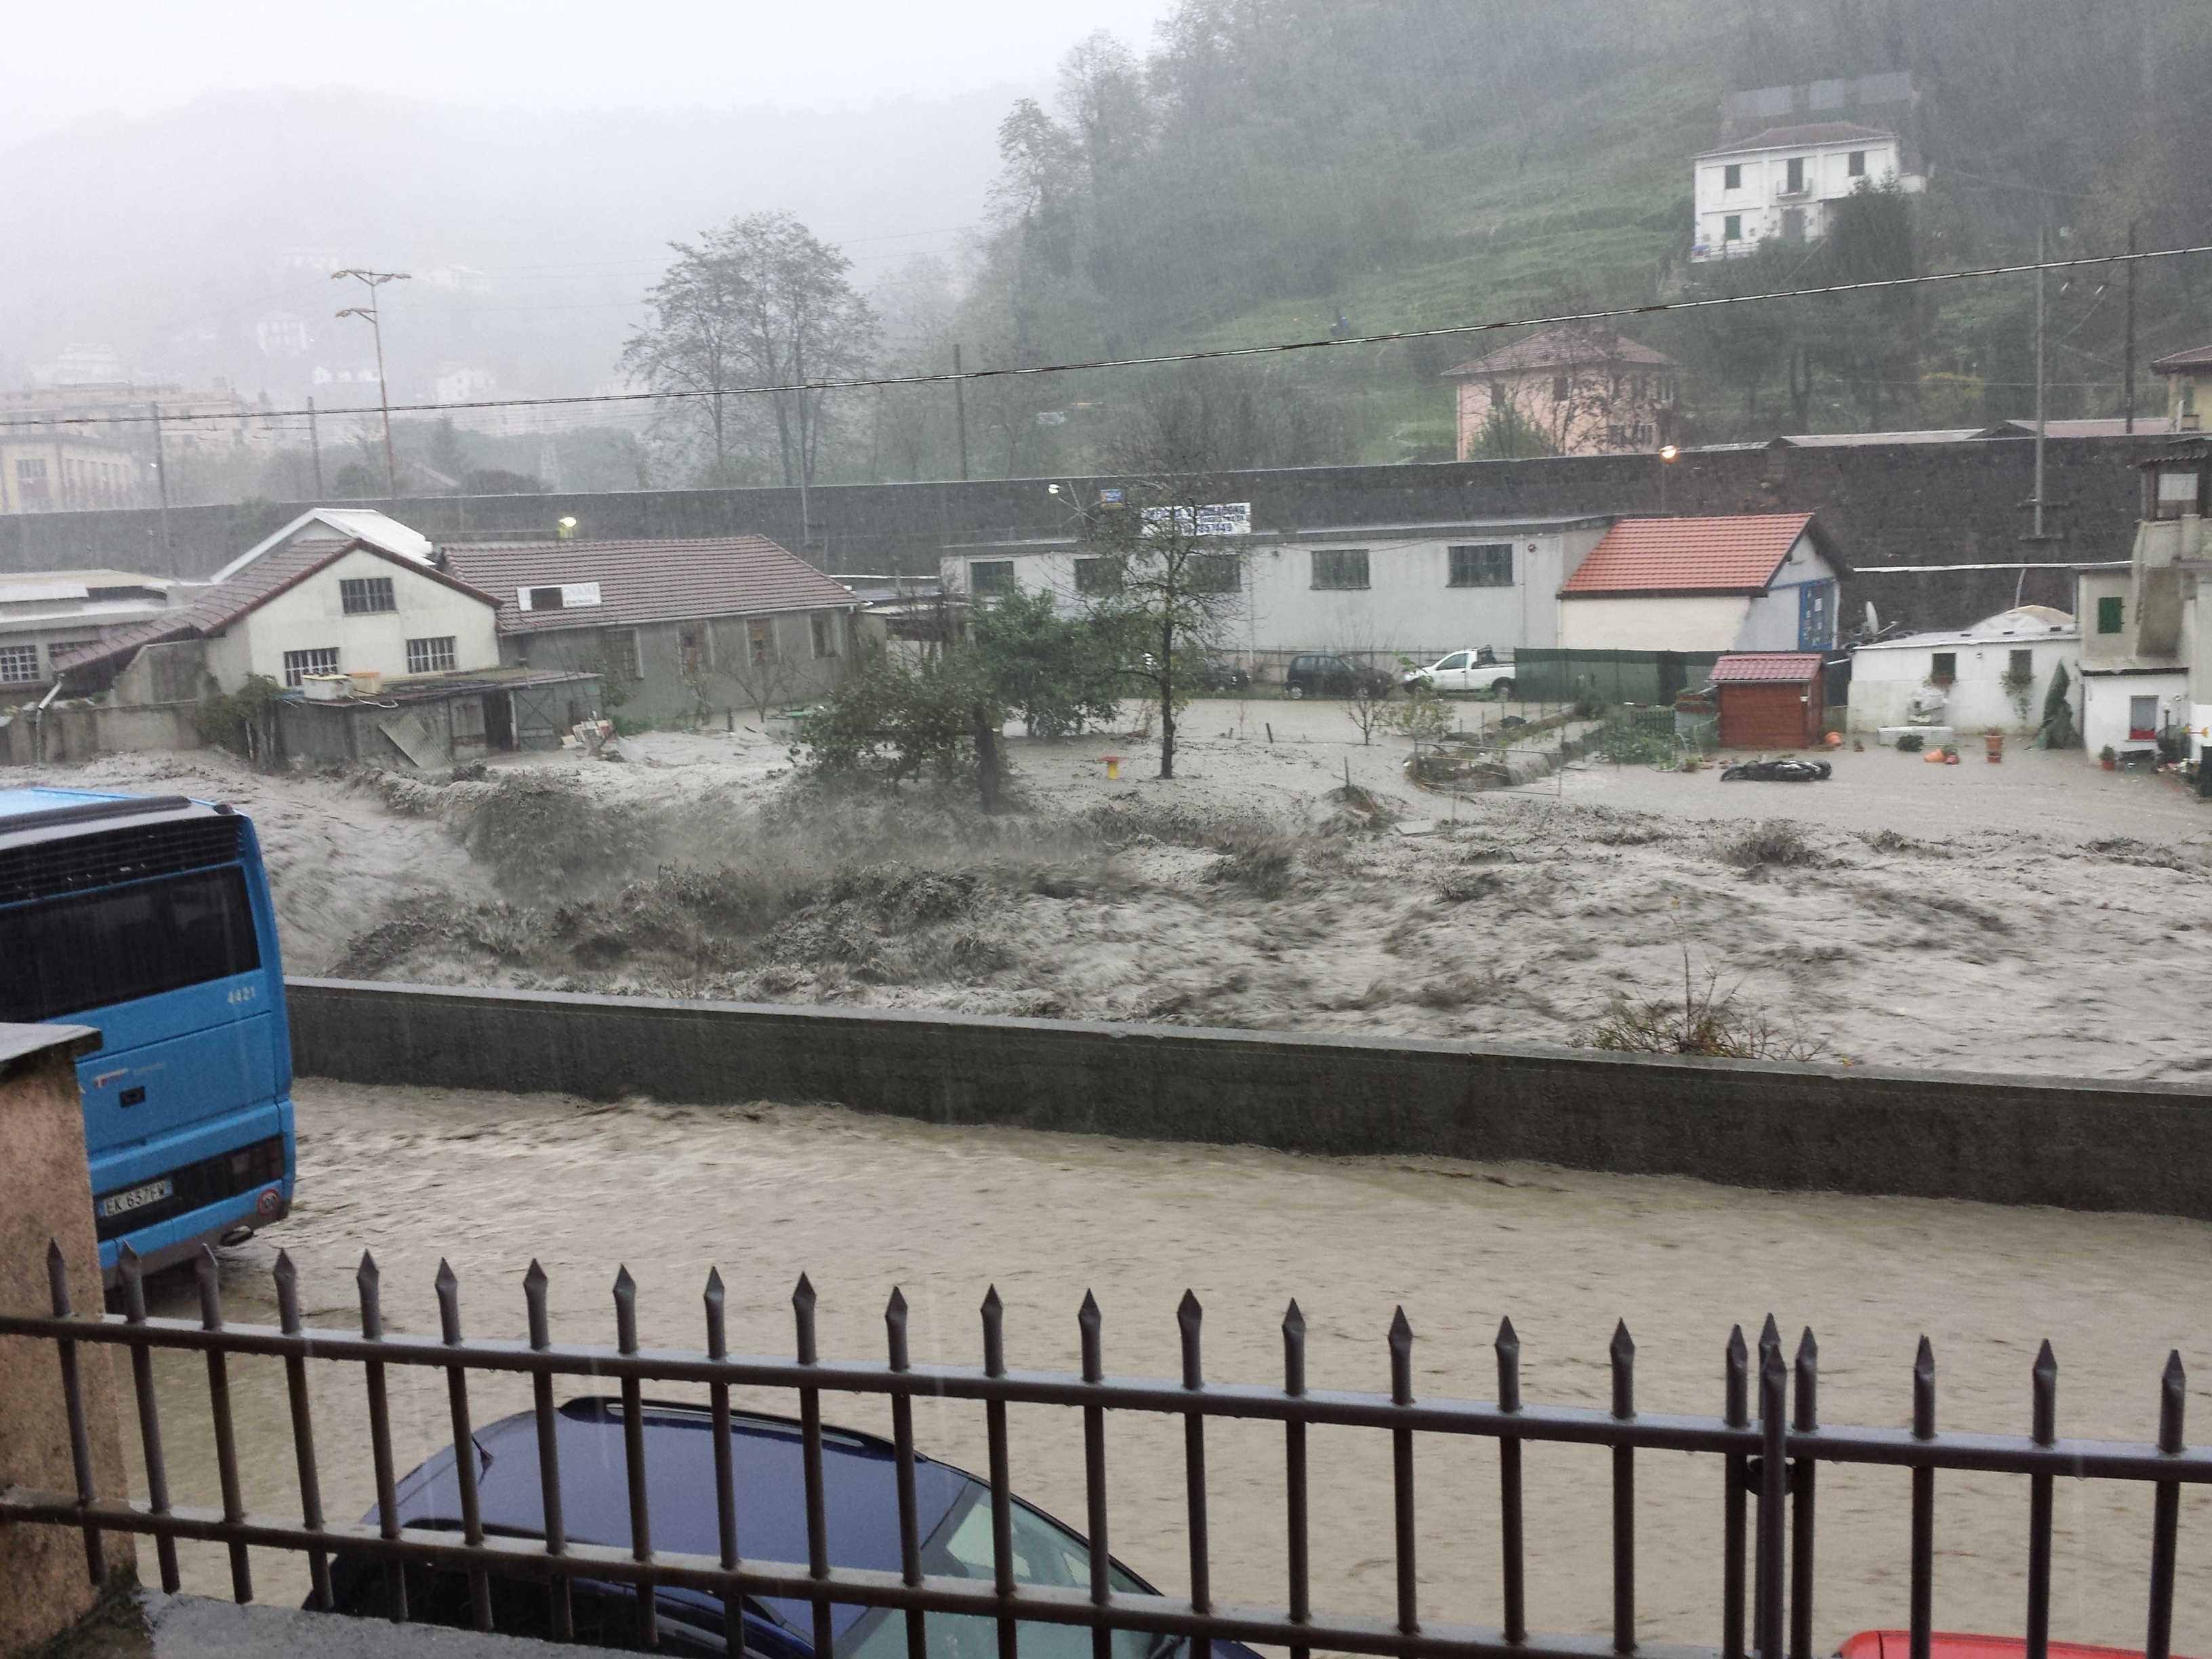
[1809, 1381]
[2172, 1396]
[1735, 1370]
[1091, 1325]
[995, 1334]
[1623, 1352]
[57, 1277]
[372, 1310]
[210, 1272]
[1189, 1317]
[1509, 1366]
[625, 1310]
[134, 1284]
[895, 1318]
[802, 1319]
[1770, 1336]
[1402, 1359]
[2044, 1374]
[449, 1303]
[534, 1287]
[716, 1302]
[1924, 1391]
[1294, 1349]
[288, 1293]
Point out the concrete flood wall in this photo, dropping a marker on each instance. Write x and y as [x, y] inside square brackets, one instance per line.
[2080, 1144]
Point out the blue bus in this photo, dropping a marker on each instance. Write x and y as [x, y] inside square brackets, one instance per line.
[147, 917]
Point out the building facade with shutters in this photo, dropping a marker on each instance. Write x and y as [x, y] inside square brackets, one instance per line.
[1784, 184]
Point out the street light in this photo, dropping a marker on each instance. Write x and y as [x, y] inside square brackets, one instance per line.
[372, 280]
[1668, 455]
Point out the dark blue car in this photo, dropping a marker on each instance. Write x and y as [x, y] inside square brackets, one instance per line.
[860, 1484]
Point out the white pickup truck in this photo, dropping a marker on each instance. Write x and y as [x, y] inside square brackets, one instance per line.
[1476, 669]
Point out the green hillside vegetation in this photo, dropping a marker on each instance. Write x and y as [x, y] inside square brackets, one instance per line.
[1282, 168]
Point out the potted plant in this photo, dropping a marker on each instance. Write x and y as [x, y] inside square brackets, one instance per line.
[2107, 758]
[1993, 743]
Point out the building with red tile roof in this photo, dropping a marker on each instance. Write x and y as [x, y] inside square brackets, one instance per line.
[1755, 581]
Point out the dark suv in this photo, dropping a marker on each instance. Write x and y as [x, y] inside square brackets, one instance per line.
[1315, 676]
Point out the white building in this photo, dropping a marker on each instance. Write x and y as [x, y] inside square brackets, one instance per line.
[1377, 591]
[1996, 673]
[1753, 581]
[1784, 183]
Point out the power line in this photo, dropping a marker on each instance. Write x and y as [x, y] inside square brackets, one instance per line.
[1218, 354]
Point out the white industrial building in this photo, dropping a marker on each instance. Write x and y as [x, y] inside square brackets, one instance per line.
[1784, 182]
[1377, 591]
[1994, 674]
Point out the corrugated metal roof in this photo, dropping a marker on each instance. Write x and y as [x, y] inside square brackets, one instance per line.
[1563, 348]
[1737, 554]
[1768, 667]
[642, 581]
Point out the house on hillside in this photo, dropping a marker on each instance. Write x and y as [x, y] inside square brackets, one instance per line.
[1996, 673]
[1784, 182]
[677, 629]
[1581, 390]
[1758, 581]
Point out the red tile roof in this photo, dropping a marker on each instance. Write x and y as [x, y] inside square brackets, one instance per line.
[2183, 362]
[1752, 667]
[643, 581]
[273, 574]
[1562, 348]
[1737, 554]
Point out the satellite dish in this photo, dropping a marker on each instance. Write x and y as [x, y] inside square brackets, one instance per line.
[1874, 623]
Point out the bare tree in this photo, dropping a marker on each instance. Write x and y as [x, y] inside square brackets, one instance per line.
[761, 302]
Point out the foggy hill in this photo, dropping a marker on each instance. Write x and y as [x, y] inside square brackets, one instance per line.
[177, 238]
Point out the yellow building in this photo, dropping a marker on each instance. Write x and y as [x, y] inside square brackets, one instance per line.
[1575, 390]
[52, 472]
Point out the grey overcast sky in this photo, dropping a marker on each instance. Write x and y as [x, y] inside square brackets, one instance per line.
[63, 64]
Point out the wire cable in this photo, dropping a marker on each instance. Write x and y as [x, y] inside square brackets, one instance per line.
[1218, 354]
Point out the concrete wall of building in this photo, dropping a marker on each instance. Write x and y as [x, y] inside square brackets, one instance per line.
[175, 671]
[312, 616]
[2107, 699]
[45, 1194]
[1886, 504]
[668, 670]
[1663, 622]
[1885, 678]
[2090, 1145]
[31, 736]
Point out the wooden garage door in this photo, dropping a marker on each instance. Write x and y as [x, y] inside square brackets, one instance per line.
[1764, 717]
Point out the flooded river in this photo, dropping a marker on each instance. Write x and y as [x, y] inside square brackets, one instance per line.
[862, 1203]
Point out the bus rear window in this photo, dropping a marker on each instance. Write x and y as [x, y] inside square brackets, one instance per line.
[69, 956]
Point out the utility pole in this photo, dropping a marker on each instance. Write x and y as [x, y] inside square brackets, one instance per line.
[2039, 385]
[960, 411]
[374, 280]
[315, 449]
[161, 479]
[2128, 386]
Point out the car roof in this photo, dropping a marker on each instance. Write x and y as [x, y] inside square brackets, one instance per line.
[858, 1479]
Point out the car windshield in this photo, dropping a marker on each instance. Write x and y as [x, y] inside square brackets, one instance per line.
[1045, 1552]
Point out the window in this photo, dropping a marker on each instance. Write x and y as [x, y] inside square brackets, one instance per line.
[324, 660]
[1732, 227]
[1485, 564]
[1097, 576]
[1943, 666]
[691, 649]
[1457, 660]
[618, 652]
[760, 640]
[1560, 387]
[430, 656]
[31, 484]
[68, 956]
[541, 599]
[363, 596]
[1217, 573]
[2143, 718]
[1795, 175]
[826, 634]
[2022, 668]
[2112, 614]
[19, 662]
[1732, 176]
[987, 576]
[1340, 567]
[1855, 164]
[2177, 493]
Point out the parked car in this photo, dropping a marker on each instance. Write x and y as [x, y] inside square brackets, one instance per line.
[860, 1482]
[1475, 669]
[1317, 675]
[1218, 674]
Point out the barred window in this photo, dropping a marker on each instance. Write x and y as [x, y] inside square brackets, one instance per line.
[363, 596]
[1097, 576]
[990, 576]
[434, 656]
[1485, 564]
[1217, 573]
[19, 662]
[324, 660]
[1340, 567]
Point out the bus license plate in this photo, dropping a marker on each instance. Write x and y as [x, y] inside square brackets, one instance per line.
[137, 1198]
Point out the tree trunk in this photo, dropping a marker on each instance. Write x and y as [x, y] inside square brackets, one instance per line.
[986, 758]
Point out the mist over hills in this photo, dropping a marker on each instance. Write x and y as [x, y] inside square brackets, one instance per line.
[189, 242]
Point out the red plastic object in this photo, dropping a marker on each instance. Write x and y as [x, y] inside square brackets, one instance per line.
[1952, 1645]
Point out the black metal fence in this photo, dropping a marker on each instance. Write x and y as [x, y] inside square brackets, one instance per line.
[1769, 1447]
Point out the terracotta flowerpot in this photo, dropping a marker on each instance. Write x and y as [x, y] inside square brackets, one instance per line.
[1993, 746]
[2109, 765]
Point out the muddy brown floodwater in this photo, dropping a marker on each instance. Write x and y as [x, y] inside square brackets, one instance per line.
[862, 1203]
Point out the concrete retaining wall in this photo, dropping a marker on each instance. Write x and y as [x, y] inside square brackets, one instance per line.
[2078, 1144]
